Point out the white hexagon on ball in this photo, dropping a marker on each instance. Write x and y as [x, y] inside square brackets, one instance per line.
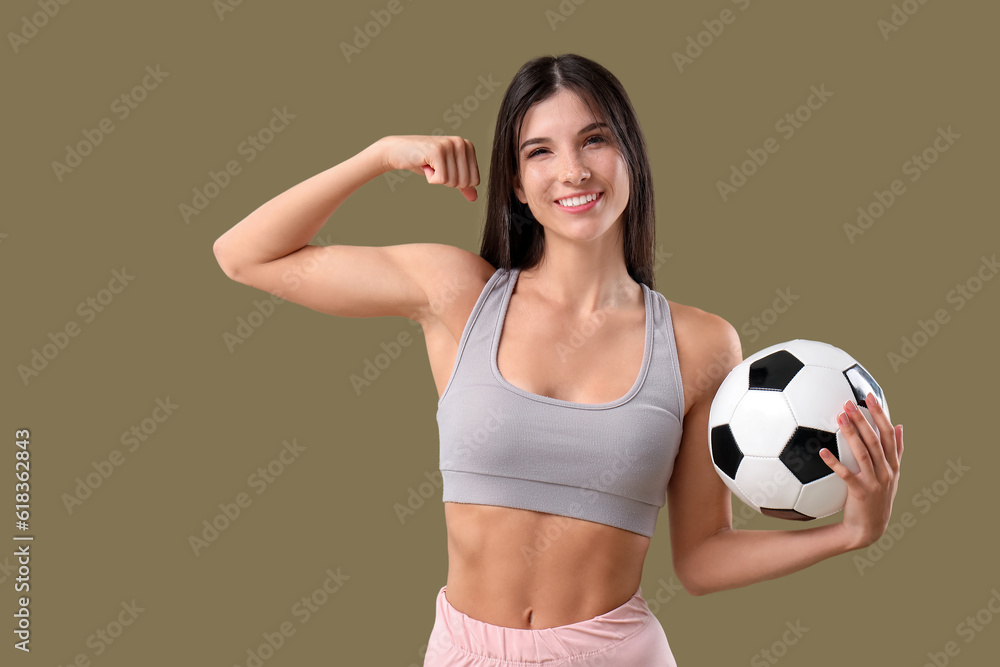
[758, 407]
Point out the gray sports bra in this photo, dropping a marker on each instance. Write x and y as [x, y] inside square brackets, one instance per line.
[603, 462]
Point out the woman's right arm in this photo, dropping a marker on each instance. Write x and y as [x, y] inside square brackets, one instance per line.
[269, 249]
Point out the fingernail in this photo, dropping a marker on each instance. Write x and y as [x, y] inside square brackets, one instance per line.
[851, 407]
[842, 418]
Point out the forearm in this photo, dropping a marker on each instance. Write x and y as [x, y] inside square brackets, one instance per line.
[735, 558]
[293, 218]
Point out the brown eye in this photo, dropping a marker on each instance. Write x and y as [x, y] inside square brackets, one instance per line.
[595, 136]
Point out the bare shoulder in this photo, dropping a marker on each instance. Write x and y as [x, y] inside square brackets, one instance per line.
[453, 280]
[708, 347]
[451, 268]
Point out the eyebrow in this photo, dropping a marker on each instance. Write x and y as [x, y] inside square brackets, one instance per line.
[540, 140]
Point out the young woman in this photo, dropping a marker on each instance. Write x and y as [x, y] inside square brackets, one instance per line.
[573, 397]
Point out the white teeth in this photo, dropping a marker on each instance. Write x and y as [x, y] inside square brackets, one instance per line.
[577, 201]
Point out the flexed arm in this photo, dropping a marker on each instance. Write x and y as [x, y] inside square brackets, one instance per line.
[269, 248]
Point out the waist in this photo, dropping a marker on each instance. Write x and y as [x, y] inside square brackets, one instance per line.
[524, 569]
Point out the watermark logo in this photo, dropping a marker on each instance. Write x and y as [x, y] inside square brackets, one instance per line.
[123, 106]
[787, 126]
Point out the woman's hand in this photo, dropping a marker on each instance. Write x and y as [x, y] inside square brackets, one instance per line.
[869, 492]
[447, 160]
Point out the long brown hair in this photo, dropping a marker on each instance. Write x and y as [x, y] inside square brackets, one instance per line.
[511, 236]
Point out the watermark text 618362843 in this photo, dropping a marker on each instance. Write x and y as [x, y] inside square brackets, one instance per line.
[22, 552]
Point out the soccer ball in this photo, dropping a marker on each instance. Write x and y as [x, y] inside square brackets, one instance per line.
[773, 413]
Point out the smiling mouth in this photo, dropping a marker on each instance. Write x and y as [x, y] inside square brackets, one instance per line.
[573, 202]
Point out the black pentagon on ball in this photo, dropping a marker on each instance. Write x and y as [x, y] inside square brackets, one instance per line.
[801, 453]
[774, 371]
[862, 382]
[725, 452]
[785, 514]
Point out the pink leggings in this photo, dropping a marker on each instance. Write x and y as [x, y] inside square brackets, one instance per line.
[629, 635]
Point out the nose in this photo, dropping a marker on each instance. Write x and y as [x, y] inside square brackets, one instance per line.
[573, 168]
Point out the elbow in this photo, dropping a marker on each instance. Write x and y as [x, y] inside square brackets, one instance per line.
[698, 588]
[693, 587]
[227, 265]
[702, 591]
[695, 576]
[694, 570]
[693, 591]
[690, 580]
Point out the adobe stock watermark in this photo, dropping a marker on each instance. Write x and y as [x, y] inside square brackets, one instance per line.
[565, 347]
[224, 7]
[319, 254]
[968, 628]
[249, 148]
[593, 489]
[303, 610]
[247, 325]
[787, 125]
[778, 649]
[105, 636]
[455, 115]
[744, 515]
[958, 296]
[914, 167]
[759, 324]
[924, 501]
[103, 468]
[664, 593]
[769, 488]
[579, 334]
[32, 23]
[898, 17]
[696, 44]
[8, 570]
[417, 497]
[88, 310]
[562, 12]
[122, 106]
[454, 456]
[374, 367]
[363, 35]
[421, 656]
[475, 439]
[713, 373]
[263, 310]
[260, 481]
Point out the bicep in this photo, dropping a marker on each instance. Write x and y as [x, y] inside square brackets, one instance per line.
[698, 500]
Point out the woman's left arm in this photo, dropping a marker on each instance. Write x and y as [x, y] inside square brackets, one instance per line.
[709, 554]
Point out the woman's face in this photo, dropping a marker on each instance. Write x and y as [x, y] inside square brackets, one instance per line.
[572, 158]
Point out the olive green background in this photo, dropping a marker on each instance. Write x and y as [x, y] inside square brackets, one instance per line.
[365, 453]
